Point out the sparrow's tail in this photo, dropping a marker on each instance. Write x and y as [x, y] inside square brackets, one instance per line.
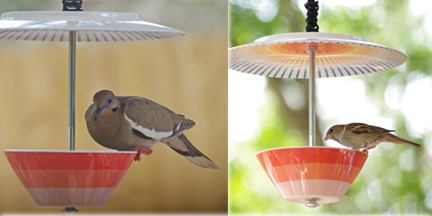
[396, 139]
[184, 147]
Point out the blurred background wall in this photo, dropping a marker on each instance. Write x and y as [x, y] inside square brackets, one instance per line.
[187, 74]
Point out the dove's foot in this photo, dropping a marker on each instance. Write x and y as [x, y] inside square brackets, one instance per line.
[141, 150]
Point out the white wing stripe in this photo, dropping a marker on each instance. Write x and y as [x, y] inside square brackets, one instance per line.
[178, 127]
[152, 133]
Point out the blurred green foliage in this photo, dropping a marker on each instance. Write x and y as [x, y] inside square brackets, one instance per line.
[395, 179]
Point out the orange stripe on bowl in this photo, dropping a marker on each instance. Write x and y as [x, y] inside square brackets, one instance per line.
[311, 171]
[302, 155]
[70, 178]
[69, 160]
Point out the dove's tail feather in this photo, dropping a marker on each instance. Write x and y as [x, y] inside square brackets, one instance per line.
[184, 147]
[396, 139]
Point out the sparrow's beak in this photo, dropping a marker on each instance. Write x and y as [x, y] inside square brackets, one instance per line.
[328, 136]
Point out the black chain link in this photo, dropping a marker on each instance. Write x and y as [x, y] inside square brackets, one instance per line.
[312, 16]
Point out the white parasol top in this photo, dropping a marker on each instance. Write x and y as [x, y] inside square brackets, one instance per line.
[286, 56]
[90, 26]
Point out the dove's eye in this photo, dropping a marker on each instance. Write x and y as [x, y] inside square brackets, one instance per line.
[108, 101]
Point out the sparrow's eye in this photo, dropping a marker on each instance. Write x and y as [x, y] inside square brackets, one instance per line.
[331, 130]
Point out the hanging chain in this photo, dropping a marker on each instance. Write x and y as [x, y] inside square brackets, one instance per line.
[72, 5]
[311, 16]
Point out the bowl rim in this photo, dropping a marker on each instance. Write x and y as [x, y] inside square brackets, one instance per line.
[67, 151]
[309, 147]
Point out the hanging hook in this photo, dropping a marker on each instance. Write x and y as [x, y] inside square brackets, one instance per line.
[72, 5]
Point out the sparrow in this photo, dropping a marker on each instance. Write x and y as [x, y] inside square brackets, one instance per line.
[137, 123]
[363, 137]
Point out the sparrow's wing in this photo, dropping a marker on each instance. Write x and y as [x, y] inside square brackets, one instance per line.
[360, 128]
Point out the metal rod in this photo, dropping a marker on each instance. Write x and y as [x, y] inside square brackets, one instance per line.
[71, 91]
[312, 50]
[71, 100]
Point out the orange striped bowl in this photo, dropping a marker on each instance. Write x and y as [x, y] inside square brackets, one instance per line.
[70, 178]
[317, 174]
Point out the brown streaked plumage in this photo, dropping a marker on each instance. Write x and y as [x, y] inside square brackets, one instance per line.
[363, 136]
[137, 123]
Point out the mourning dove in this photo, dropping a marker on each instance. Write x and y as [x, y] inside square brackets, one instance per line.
[137, 123]
[363, 136]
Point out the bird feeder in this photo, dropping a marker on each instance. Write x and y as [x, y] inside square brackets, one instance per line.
[312, 175]
[74, 178]
[69, 178]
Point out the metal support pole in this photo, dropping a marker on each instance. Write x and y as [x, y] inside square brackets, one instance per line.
[71, 92]
[312, 50]
[71, 100]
